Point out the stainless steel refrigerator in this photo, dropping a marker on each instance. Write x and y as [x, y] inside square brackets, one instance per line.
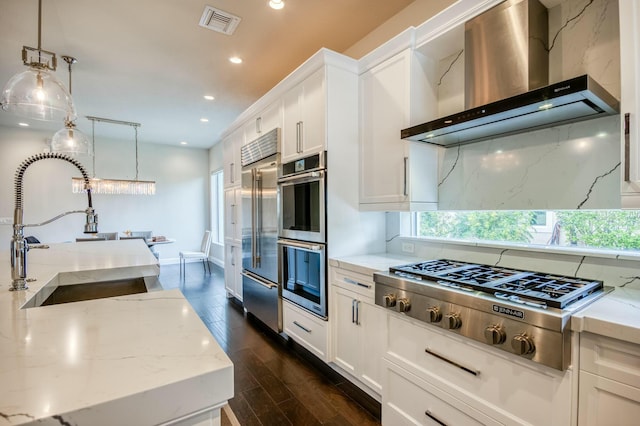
[260, 290]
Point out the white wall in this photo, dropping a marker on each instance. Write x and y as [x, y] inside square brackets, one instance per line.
[180, 208]
[216, 163]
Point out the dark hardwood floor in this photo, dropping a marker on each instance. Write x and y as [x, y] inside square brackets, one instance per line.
[274, 385]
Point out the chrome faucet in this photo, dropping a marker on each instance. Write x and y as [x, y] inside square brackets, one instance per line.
[19, 246]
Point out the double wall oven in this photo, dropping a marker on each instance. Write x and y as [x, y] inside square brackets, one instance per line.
[302, 233]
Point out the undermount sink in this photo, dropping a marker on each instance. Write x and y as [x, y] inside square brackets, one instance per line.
[77, 292]
[99, 290]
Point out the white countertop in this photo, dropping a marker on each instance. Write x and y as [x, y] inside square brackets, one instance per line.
[137, 359]
[616, 314]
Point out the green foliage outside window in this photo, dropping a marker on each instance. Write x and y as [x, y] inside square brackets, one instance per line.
[607, 229]
[615, 229]
[478, 225]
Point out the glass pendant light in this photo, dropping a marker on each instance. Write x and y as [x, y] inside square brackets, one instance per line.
[37, 93]
[70, 140]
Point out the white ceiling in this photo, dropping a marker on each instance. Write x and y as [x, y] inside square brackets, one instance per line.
[149, 61]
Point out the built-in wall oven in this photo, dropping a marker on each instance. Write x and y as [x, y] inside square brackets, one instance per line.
[302, 275]
[302, 199]
[302, 233]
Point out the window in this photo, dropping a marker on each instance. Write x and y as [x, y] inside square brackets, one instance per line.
[217, 207]
[601, 229]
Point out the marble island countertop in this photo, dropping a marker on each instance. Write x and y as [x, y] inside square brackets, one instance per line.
[138, 359]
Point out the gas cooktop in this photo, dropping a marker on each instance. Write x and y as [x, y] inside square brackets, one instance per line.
[531, 288]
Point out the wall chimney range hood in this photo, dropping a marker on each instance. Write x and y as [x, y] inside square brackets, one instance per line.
[578, 99]
[506, 82]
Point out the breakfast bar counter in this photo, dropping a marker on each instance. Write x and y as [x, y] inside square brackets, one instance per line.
[138, 359]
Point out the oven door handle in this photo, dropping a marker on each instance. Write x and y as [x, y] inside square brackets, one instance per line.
[299, 244]
[303, 177]
[259, 280]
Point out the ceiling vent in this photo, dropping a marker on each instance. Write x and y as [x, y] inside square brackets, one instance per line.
[219, 20]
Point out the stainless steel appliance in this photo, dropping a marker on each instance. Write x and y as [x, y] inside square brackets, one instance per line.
[260, 290]
[521, 312]
[302, 199]
[506, 82]
[302, 275]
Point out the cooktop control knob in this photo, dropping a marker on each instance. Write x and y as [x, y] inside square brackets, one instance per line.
[452, 321]
[404, 305]
[434, 314]
[389, 300]
[495, 335]
[522, 344]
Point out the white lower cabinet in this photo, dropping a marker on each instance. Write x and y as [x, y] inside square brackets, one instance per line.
[609, 381]
[505, 389]
[359, 336]
[306, 329]
[233, 270]
[409, 400]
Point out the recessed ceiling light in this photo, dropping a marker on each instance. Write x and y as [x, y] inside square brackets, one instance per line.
[23, 124]
[235, 60]
[183, 143]
[204, 120]
[209, 97]
[276, 4]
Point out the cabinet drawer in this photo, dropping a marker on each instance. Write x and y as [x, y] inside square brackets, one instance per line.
[306, 329]
[359, 283]
[408, 400]
[610, 358]
[607, 402]
[507, 389]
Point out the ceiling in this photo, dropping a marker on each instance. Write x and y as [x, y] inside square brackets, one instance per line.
[150, 62]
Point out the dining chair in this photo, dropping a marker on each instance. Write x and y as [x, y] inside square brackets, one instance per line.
[203, 254]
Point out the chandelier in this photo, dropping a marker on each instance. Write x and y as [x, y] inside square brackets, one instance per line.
[114, 186]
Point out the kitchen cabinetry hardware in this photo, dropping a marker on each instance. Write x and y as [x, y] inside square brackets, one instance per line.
[259, 280]
[354, 282]
[434, 418]
[353, 311]
[231, 174]
[357, 312]
[259, 125]
[627, 148]
[455, 364]
[302, 327]
[404, 191]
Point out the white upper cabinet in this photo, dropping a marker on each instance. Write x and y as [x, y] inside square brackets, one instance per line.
[396, 175]
[231, 154]
[630, 101]
[267, 120]
[304, 118]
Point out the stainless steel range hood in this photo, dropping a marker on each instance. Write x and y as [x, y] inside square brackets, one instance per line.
[506, 68]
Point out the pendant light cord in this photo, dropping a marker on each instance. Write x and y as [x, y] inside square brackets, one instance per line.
[93, 145]
[136, 130]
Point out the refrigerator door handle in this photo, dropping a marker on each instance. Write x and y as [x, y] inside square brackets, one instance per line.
[259, 280]
[253, 219]
[258, 216]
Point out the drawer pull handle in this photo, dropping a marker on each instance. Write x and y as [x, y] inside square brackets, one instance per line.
[462, 367]
[302, 326]
[350, 281]
[434, 418]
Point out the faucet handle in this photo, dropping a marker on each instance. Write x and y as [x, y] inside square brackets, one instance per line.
[91, 227]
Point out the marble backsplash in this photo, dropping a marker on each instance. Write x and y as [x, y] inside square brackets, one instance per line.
[574, 166]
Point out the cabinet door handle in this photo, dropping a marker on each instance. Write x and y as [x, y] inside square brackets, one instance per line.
[455, 364]
[405, 187]
[302, 327]
[350, 281]
[627, 148]
[233, 214]
[259, 125]
[434, 418]
[231, 173]
[357, 312]
[233, 258]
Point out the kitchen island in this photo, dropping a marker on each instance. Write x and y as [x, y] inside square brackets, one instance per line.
[138, 359]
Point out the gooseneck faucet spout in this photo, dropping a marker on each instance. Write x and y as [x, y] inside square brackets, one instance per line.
[19, 246]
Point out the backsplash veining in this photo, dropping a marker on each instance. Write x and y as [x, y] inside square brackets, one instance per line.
[574, 166]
